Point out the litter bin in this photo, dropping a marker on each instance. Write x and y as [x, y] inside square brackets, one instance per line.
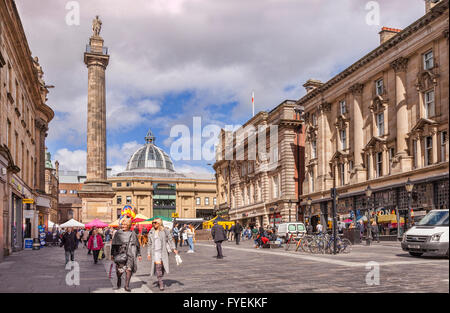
[36, 244]
[352, 234]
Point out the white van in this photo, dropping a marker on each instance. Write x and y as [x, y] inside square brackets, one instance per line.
[286, 229]
[429, 235]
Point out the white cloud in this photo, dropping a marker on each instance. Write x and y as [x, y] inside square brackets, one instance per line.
[186, 168]
[71, 160]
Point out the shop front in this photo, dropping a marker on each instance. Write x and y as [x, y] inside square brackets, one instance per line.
[16, 223]
[275, 219]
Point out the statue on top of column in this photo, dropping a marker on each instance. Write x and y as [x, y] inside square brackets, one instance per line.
[96, 26]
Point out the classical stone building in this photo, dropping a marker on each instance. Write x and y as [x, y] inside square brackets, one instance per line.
[152, 186]
[380, 122]
[259, 168]
[51, 187]
[24, 118]
[69, 202]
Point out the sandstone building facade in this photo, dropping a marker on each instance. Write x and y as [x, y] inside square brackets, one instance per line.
[259, 183]
[24, 118]
[380, 122]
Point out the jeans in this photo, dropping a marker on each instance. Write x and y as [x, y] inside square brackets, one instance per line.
[95, 252]
[191, 243]
[69, 254]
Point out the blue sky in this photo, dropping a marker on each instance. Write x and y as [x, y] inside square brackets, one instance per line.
[172, 60]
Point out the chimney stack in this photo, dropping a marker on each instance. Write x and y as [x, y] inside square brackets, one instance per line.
[429, 4]
[387, 33]
[312, 84]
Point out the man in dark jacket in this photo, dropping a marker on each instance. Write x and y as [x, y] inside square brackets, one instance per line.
[237, 232]
[219, 235]
[69, 241]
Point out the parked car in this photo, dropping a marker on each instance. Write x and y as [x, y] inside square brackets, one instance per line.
[429, 235]
[286, 229]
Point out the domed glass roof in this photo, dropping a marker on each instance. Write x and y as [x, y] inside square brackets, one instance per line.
[150, 158]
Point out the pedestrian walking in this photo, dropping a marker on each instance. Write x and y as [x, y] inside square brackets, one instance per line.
[95, 244]
[190, 232]
[237, 232]
[90, 234]
[176, 235]
[219, 235]
[361, 229]
[232, 233]
[107, 235]
[125, 248]
[375, 231]
[69, 241]
[85, 238]
[160, 243]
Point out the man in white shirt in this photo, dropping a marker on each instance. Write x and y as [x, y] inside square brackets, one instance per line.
[319, 228]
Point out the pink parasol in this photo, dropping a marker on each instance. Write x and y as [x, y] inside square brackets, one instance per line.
[96, 223]
[347, 221]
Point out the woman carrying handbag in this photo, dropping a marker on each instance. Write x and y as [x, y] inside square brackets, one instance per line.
[160, 244]
[125, 248]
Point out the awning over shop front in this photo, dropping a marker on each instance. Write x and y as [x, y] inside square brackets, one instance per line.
[43, 202]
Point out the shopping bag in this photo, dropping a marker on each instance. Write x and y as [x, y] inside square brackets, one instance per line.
[100, 255]
[178, 259]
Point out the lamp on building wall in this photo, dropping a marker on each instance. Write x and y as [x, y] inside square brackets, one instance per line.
[409, 186]
[369, 233]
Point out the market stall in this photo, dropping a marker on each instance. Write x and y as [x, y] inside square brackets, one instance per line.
[221, 221]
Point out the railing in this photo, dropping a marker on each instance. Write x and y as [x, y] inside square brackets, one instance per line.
[89, 50]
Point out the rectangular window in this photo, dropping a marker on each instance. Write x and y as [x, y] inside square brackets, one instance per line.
[379, 87]
[128, 184]
[8, 134]
[428, 150]
[380, 124]
[311, 178]
[342, 107]
[313, 149]
[62, 191]
[350, 165]
[119, 210]
[391, 156]
[379, 164]
[206, 201]
[119, 199]
[429, 104]
[369, 175]
[197, 201]
[119, 184]
[344, 139]
[443, 143]
[428, 62]
[275, 187]
[214, 201]
[416, 162]
[342, 172]
[128, 199]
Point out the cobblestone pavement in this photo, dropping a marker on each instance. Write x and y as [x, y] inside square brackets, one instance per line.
[44, 271]
[244, 269]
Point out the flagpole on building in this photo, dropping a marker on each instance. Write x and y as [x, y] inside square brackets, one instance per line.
[253, 103]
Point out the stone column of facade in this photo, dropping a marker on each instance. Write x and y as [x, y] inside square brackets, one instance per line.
[324, 146]
[358, 172]
[96, 192]
[402, 161]
[287, 163]
[419, 162]
[436, 151]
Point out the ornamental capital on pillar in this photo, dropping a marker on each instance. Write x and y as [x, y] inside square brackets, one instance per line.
[400, 64]
[324, 107]
[356, 89]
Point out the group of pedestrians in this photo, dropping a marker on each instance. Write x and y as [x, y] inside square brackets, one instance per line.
[184, 234]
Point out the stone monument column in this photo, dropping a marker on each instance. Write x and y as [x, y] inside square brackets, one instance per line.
[96, 193]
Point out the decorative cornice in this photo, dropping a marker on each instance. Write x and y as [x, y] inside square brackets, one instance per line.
[399, 65]
[435, 12]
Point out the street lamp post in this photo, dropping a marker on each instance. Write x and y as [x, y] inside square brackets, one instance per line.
[290, 204]
[308, 202]
[409, 188]
[369, 233]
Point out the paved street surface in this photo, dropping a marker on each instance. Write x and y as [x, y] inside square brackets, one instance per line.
[244, 269]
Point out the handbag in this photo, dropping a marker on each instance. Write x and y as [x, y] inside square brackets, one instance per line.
[100, 255]
[123, 257]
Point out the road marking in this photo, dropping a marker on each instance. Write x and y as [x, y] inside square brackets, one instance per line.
[322, 259]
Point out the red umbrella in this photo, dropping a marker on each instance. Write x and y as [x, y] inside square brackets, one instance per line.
[96, 223]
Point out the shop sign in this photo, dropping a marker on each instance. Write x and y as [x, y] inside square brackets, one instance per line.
[30, 201]
[28, 214]
[28, 243]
